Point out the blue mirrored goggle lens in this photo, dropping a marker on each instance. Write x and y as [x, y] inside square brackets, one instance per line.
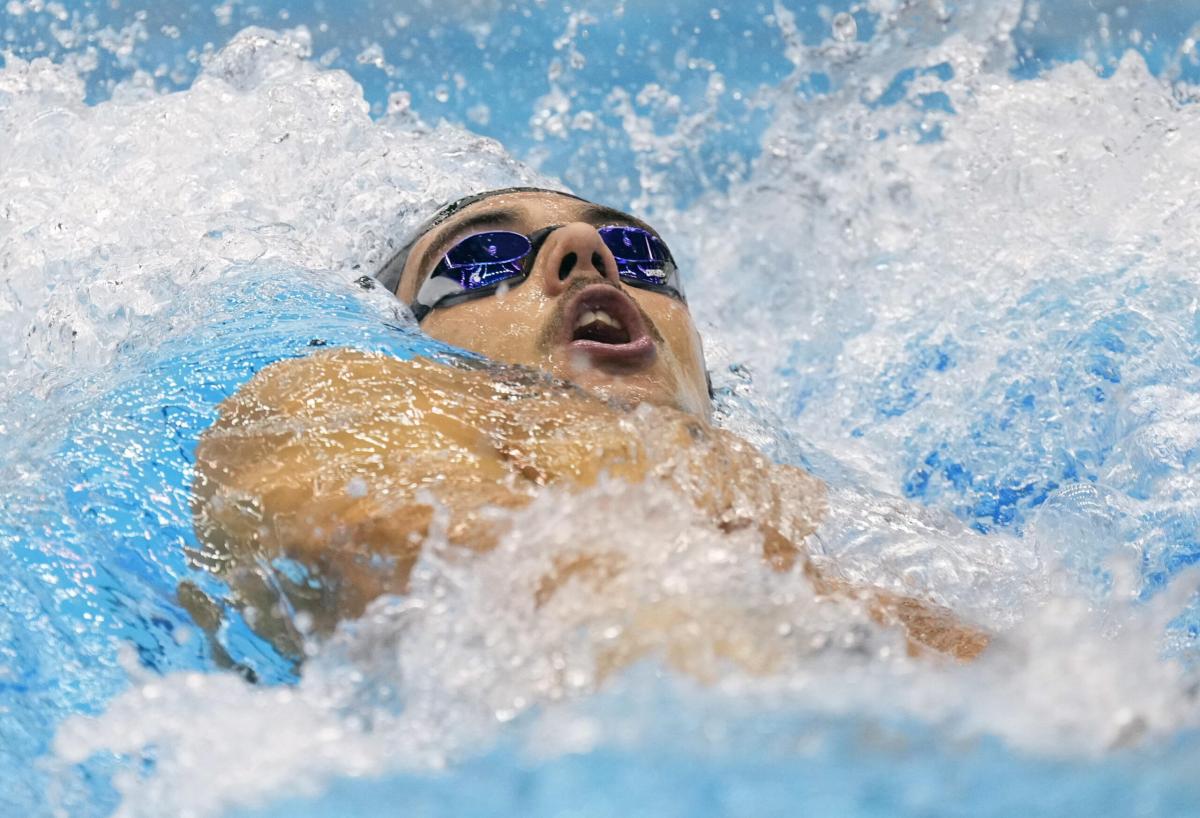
[485, 259]
[640, 255]
[488, 248]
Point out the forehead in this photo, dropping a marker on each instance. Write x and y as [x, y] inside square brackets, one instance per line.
[523, 211]
[535, 208]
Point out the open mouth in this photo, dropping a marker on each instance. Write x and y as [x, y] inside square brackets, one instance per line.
[597, 325]
[605, 326]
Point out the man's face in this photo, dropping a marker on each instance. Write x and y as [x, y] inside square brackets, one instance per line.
[572, 317]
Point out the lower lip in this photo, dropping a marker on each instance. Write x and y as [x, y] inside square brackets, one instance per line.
[639, 352]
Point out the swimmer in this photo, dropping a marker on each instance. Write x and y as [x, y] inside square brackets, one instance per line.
[340, 461]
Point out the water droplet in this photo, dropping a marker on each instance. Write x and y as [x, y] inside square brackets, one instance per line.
[399, 102]
[844, 28]
[479, 114]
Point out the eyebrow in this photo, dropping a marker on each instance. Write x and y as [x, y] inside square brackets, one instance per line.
[608, 215]
[488, 218]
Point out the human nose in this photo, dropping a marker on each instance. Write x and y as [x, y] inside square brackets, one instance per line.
[574, 251]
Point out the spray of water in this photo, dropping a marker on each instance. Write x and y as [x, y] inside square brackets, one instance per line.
[967, 300]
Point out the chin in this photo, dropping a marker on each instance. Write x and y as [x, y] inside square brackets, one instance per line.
[642, 379]
[635, 389]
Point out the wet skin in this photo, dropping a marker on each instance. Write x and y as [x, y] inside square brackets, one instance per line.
[336, 461]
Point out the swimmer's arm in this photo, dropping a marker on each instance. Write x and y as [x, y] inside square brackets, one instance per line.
[785, 504]
[929, 627]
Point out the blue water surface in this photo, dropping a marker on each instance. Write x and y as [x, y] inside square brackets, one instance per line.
[108, 487]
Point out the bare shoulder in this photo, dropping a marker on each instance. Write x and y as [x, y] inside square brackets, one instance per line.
[347, 435]
[349, 380]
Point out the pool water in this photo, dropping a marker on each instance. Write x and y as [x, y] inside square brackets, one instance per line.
[943, 254]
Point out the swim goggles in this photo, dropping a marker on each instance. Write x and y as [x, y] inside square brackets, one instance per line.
[482, 263]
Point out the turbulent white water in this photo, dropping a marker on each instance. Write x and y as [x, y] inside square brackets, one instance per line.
[116, 210]
[426, 680]
[955, 272]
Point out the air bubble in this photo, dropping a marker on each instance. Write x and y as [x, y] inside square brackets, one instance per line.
[845, 30]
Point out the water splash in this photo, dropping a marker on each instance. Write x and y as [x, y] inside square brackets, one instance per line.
[266, 157]
[979, 291]
[424, 681]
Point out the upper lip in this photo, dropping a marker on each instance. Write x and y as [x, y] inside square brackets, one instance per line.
[621, 307]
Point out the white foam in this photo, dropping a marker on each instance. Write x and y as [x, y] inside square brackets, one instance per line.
[431, 678]
[115, 210]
